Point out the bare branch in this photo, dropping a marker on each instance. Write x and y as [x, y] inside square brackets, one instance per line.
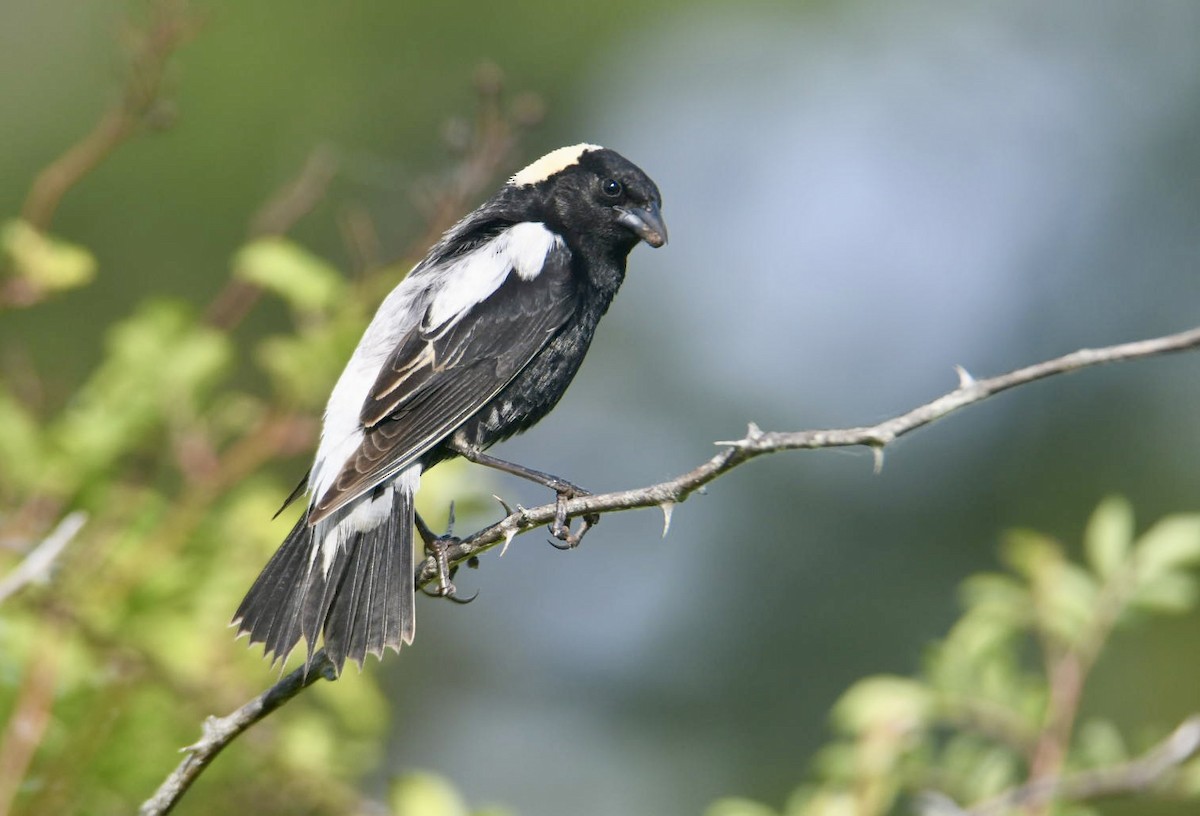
[140, 105]
[1135, 776]
[279, 214]
[220, 731]
[757, 442]
[35, 568]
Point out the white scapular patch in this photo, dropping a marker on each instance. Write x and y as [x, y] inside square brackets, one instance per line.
[553, 162]
[522, 248]
[445, 293]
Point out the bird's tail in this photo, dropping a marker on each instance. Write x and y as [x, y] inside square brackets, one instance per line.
[349, 577]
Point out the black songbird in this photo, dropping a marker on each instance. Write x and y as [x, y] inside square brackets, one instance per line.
[476, 344]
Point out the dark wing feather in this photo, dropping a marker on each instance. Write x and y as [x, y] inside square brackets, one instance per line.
[437, 377]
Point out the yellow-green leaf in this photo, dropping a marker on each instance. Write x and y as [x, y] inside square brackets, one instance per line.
[424, 794]
[298, 276]
[1109, 535]
[49, 263]
[1171, 544]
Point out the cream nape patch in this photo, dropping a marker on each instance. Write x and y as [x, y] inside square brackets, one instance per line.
[553, 162]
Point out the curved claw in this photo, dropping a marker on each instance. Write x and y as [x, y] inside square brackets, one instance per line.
[550, 541]
[450, 596]
[449, 593]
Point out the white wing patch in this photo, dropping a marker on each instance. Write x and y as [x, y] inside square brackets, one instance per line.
[444, 293]
[553, 162]
[471, 279]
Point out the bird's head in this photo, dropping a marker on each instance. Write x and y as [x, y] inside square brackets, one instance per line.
[596, 195]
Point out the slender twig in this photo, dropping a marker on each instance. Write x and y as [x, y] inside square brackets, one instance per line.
[220, 731]
[280, 213]
[141, 106]
[1068, 664]
[1135, 776]
[35, 568]
[30, 716]
[173, 24]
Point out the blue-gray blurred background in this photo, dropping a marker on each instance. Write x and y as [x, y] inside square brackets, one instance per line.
[860, 195]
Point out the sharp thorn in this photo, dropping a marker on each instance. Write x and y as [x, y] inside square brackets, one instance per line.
[965, 380]
[877, 452]
[509, 534]
[668, 507]
[508, 511]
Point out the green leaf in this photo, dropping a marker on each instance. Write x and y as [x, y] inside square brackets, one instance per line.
[1030, 553]
[1171, 544]
[1101, 744]
[303, 367]
[1068, 601]
[49, 263]
[424, 794]
[281, 266]
[732, 806]
[1109, 536]
[1172, 593]
[895, 703]
[21, 455]
[158, 365]
[999, 597]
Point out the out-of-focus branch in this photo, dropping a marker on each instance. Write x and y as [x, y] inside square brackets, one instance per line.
[36, 566]
[279, 214]
[141, 105]
[30, 715]
[220, 731]
[1136, 776]
[486, 147]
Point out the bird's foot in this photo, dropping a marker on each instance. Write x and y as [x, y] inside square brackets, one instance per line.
[561, 527]
[437, 547]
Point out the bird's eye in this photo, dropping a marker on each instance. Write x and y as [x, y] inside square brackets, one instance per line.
[611, 188]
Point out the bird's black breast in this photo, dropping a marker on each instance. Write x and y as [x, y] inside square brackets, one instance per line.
[538, 387]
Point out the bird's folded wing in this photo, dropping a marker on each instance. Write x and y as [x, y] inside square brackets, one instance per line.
[439, 375]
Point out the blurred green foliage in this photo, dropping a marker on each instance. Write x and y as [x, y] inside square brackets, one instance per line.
[114, 650]
[110, 664]
[980, 721]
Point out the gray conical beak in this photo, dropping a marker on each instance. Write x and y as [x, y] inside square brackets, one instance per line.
[646, 222]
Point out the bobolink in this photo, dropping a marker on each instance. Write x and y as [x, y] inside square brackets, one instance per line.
[477, 343]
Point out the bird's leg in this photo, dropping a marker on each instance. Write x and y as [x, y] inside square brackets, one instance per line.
[563, 490]
[436, 546]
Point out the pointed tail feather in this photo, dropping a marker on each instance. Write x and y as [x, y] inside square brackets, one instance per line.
[349, 577]
[375, 605]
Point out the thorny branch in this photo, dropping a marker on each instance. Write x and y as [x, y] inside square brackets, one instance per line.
[758, 443]
[219, 732]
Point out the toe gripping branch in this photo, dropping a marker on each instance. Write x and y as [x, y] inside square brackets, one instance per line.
[560, 528]
[563, 490]
[437, 546]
